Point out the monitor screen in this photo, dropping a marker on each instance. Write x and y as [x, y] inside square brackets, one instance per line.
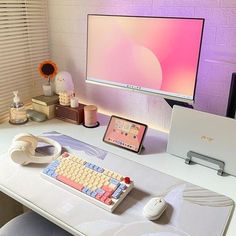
[157, 55]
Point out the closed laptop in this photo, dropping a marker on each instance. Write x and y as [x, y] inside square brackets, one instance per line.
[207, 134]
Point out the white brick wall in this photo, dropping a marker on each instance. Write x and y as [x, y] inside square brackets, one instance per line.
[67, 23]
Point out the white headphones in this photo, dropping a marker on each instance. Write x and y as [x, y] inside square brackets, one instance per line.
[22, 150]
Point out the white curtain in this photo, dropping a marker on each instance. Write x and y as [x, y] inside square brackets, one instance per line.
[23, 45]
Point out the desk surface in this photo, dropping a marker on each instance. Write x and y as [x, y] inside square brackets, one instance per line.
[154, 156]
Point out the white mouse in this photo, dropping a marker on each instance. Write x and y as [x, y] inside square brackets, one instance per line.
[154, 208]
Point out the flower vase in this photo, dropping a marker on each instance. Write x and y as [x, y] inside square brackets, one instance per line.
[47, 90]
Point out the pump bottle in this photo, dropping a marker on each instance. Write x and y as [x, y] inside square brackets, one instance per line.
[17, 111]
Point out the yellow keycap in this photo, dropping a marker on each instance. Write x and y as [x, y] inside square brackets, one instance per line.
[89, 186]
[120, 178]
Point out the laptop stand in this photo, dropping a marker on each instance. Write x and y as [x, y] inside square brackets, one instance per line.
[221, 164]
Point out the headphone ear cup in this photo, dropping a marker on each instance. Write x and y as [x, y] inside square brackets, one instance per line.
[19, 152]
[31, 139]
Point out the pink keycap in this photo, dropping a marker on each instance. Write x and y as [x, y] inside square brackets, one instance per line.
[108, 201]
[98, 197]
[63, 179]
[107, 194]
[107, 189]
[103, 198]
[79, 186]
[70, 182]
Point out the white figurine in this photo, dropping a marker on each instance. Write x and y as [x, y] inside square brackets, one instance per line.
[63, 83]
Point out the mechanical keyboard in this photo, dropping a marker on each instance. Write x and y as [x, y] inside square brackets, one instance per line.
[93, 183]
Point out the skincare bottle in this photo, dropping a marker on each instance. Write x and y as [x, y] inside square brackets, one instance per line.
[17, 111]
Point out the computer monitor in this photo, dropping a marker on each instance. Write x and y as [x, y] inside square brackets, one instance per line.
[156, 55]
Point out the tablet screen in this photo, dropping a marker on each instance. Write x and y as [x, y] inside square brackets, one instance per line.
[125, 133]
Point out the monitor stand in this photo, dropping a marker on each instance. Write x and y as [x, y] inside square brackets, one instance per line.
[179, 103]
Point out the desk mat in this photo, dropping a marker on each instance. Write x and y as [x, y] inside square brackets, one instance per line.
[191, 209]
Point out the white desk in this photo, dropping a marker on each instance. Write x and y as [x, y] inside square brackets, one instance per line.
[154, 156]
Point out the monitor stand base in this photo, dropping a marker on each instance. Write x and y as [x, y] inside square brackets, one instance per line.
[179, 103]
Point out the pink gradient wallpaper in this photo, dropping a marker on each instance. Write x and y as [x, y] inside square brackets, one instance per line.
[153, 53]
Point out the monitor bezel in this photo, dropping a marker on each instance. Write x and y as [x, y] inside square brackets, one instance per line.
[178, 97]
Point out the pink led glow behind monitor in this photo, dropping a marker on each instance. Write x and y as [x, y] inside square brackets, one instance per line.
[157, 55]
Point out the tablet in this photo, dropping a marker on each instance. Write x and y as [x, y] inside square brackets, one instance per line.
[124, 133]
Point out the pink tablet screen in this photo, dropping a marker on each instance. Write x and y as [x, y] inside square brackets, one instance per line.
[125, 133]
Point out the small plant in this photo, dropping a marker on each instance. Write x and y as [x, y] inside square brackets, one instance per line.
[48, 70]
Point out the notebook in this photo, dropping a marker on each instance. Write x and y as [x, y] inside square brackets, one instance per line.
[203, 133]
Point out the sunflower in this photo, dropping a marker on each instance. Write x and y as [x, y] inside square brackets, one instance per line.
[48, 69]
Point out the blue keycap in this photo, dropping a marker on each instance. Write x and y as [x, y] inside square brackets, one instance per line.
[116, 195]
[50, 172]
[87, 164]
[55, 163]
[84, 190]
[99, 191]
[122, 186]
[119, 190]
[100, 170]
[93, 194]
[53, 168]
[54, 175]
[114, 181]
[45, 171]
[91, 166]
[88, 192]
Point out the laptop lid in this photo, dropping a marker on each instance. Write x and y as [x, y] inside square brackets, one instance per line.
[203, 133]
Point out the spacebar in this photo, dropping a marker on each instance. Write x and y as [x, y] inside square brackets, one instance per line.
[69, 182]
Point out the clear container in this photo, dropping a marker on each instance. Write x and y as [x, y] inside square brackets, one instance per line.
[17, 111]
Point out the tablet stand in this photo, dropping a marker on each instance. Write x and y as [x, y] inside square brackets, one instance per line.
[221, 164]
[142, 149]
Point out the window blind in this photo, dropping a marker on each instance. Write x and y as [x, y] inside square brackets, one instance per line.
[23, 45]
